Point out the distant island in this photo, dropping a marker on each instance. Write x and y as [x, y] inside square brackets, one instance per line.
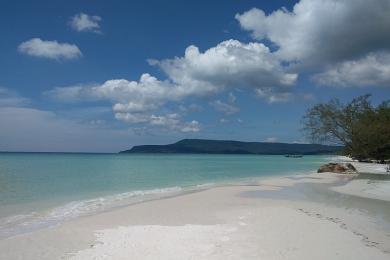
[201, 146]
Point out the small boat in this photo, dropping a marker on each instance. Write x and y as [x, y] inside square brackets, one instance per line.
[293, 155]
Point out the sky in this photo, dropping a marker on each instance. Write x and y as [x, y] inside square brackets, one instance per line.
[102, 76]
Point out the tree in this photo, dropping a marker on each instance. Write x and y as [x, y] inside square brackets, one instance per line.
[363, 130]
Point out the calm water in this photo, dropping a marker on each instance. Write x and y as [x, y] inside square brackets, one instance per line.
[38, 189]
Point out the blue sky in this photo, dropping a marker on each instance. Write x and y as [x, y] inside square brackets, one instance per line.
[102, 76]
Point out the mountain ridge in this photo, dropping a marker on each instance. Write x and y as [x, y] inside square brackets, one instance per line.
[208, 146]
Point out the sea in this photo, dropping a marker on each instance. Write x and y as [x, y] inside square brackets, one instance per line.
[44, 189]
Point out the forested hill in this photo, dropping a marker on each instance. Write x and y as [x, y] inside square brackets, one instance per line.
[234, 147]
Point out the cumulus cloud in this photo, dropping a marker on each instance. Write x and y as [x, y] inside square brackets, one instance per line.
[134, 101]
[170, 121]
[192, 126]
[229, 65]
[315, 34]
[147, 89]
[49, 49]
[82, 22]
[132, 118]
[129, 97]
[320, 32]
[371, 70]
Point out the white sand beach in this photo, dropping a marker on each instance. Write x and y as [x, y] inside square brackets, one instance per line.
[367, 188]
[297, 217]
[375, 189]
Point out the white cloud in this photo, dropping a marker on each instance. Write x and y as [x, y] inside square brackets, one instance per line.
[132, 118]
[318, 32]
[49, 49]
[229, 65]
[192, 126]
[133, 107]
[271, 139]
[144, 95]
[82, 22]
[225, 108]
[273, 97]
[170, 121]
[134, 102]
[371, 70]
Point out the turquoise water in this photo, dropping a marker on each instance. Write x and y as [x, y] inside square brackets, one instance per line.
[40, 188]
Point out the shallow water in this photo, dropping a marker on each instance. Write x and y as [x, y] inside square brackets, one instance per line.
[37, 189]
[321, 193]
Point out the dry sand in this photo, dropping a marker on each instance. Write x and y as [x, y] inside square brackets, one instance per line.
[375, 189]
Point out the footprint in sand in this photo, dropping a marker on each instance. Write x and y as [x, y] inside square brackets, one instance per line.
[342, 225]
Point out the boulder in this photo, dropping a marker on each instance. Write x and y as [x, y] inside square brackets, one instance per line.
[337, 168]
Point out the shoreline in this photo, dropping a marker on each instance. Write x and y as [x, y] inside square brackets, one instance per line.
[99, 185]
[31, 221]
[339, 200]
[298, 216]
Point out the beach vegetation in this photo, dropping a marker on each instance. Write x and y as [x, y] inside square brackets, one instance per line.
[361, 127]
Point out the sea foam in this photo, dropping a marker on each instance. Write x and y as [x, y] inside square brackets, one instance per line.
[23, 223]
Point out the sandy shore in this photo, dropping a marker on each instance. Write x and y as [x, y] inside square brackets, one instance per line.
[315, 216]
[367, 188]
[376, 186]
[373, 168]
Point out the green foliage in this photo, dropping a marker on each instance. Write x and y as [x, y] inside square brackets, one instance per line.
[363, 129]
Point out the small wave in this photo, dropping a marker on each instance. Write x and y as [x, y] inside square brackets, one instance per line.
[205, 185]
[78, 208]
[23, 223]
